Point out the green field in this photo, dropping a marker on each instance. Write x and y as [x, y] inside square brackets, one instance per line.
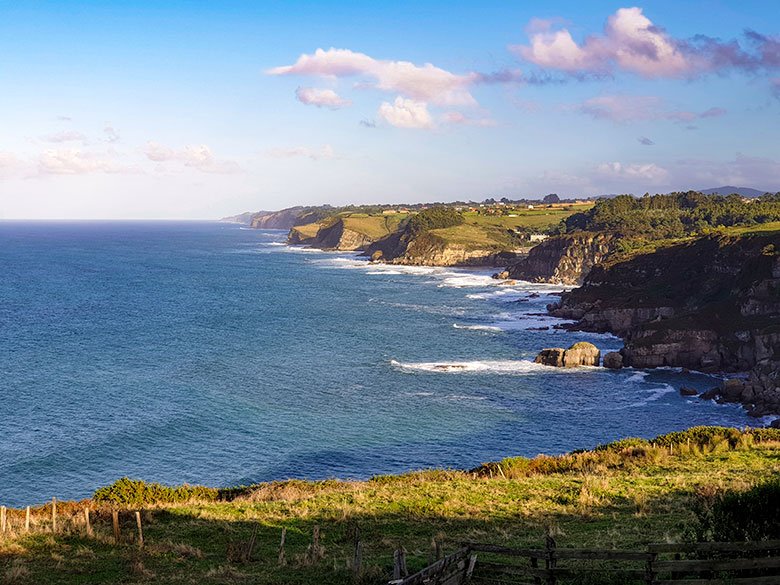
[620, 497]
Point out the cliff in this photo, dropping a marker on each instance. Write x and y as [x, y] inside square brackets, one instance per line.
[290, 217]
[712, 304]
[462, 245]
[242, 218]
[565, 259]
[348, 233]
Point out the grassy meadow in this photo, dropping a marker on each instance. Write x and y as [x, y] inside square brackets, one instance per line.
[621, 496]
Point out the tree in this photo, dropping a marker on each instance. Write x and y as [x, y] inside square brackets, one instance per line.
[551, 198]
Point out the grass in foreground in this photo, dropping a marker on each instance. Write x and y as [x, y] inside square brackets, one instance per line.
[620, 496]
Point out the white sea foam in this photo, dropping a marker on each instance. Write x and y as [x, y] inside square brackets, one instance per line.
[655, 394]
[478, 327]
[504, 367]
[637, 377]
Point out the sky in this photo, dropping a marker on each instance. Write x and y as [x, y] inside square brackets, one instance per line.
[198, 110]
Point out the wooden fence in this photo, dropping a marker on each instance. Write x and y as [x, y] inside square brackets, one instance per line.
[709, 563]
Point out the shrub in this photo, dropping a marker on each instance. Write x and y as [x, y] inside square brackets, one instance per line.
[750, 515]
[135, 492]
[434, 218]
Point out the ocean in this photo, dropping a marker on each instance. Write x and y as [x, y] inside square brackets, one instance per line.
[213, 354]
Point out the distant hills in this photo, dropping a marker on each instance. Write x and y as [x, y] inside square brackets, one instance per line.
[730, 189]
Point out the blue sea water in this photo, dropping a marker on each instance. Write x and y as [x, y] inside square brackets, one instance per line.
[209, 353]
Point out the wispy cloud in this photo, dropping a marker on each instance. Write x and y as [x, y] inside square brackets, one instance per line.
[630, 108]
[73, 161]
[325, 152]
[111, 133]
[322, 98]
[632, 42]
[65, 136]
[461, 119]
[198, 157]
[645, 141]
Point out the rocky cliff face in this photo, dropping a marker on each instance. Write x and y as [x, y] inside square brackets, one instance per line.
[713, 304]
[710, 305]
[338, 237]
[333, 235]
[429, 250]
[564, 259]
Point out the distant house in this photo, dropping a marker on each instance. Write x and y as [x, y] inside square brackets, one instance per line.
[530, 207]
[537, 237]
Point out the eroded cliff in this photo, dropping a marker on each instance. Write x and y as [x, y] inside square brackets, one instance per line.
[565, 259]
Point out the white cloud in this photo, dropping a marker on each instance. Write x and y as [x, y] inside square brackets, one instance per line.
[325, 152]
[422, 83]
[630, 42]
[322, 98]
[406, 113]
[199, 157]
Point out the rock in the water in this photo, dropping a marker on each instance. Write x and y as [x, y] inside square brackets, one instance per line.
[581, 354]
[613, 360]
[688, 391]
[710, 394]
[504, 274]
[775, 424]
[551, 357]
[732, 389]
[377, 256]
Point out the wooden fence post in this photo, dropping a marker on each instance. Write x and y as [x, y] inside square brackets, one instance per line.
[115, 520]
[649, 568]
[54, 514]
[87, 523]
[27, 519]
[551, 562]
[2, 520]
[282, 558]
[399, 564]
[140, 530]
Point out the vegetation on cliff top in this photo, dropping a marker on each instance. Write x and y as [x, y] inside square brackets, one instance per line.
[672, 216]
[621, 495]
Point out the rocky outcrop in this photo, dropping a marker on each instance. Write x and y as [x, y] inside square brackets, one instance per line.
[579, 354]
[712, 305]
[564, 259]
[759, 393]
[613, 360]
[552, 356]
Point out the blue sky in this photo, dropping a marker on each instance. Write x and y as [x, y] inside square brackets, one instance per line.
[198, 110]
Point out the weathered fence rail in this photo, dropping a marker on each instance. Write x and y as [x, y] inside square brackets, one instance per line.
[708, 563]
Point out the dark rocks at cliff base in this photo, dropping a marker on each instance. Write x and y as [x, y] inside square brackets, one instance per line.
[579, 354]
[377, 256]
[688, 391]
[504, 274]
[552, 356]
[759, 393]
[613, 360]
